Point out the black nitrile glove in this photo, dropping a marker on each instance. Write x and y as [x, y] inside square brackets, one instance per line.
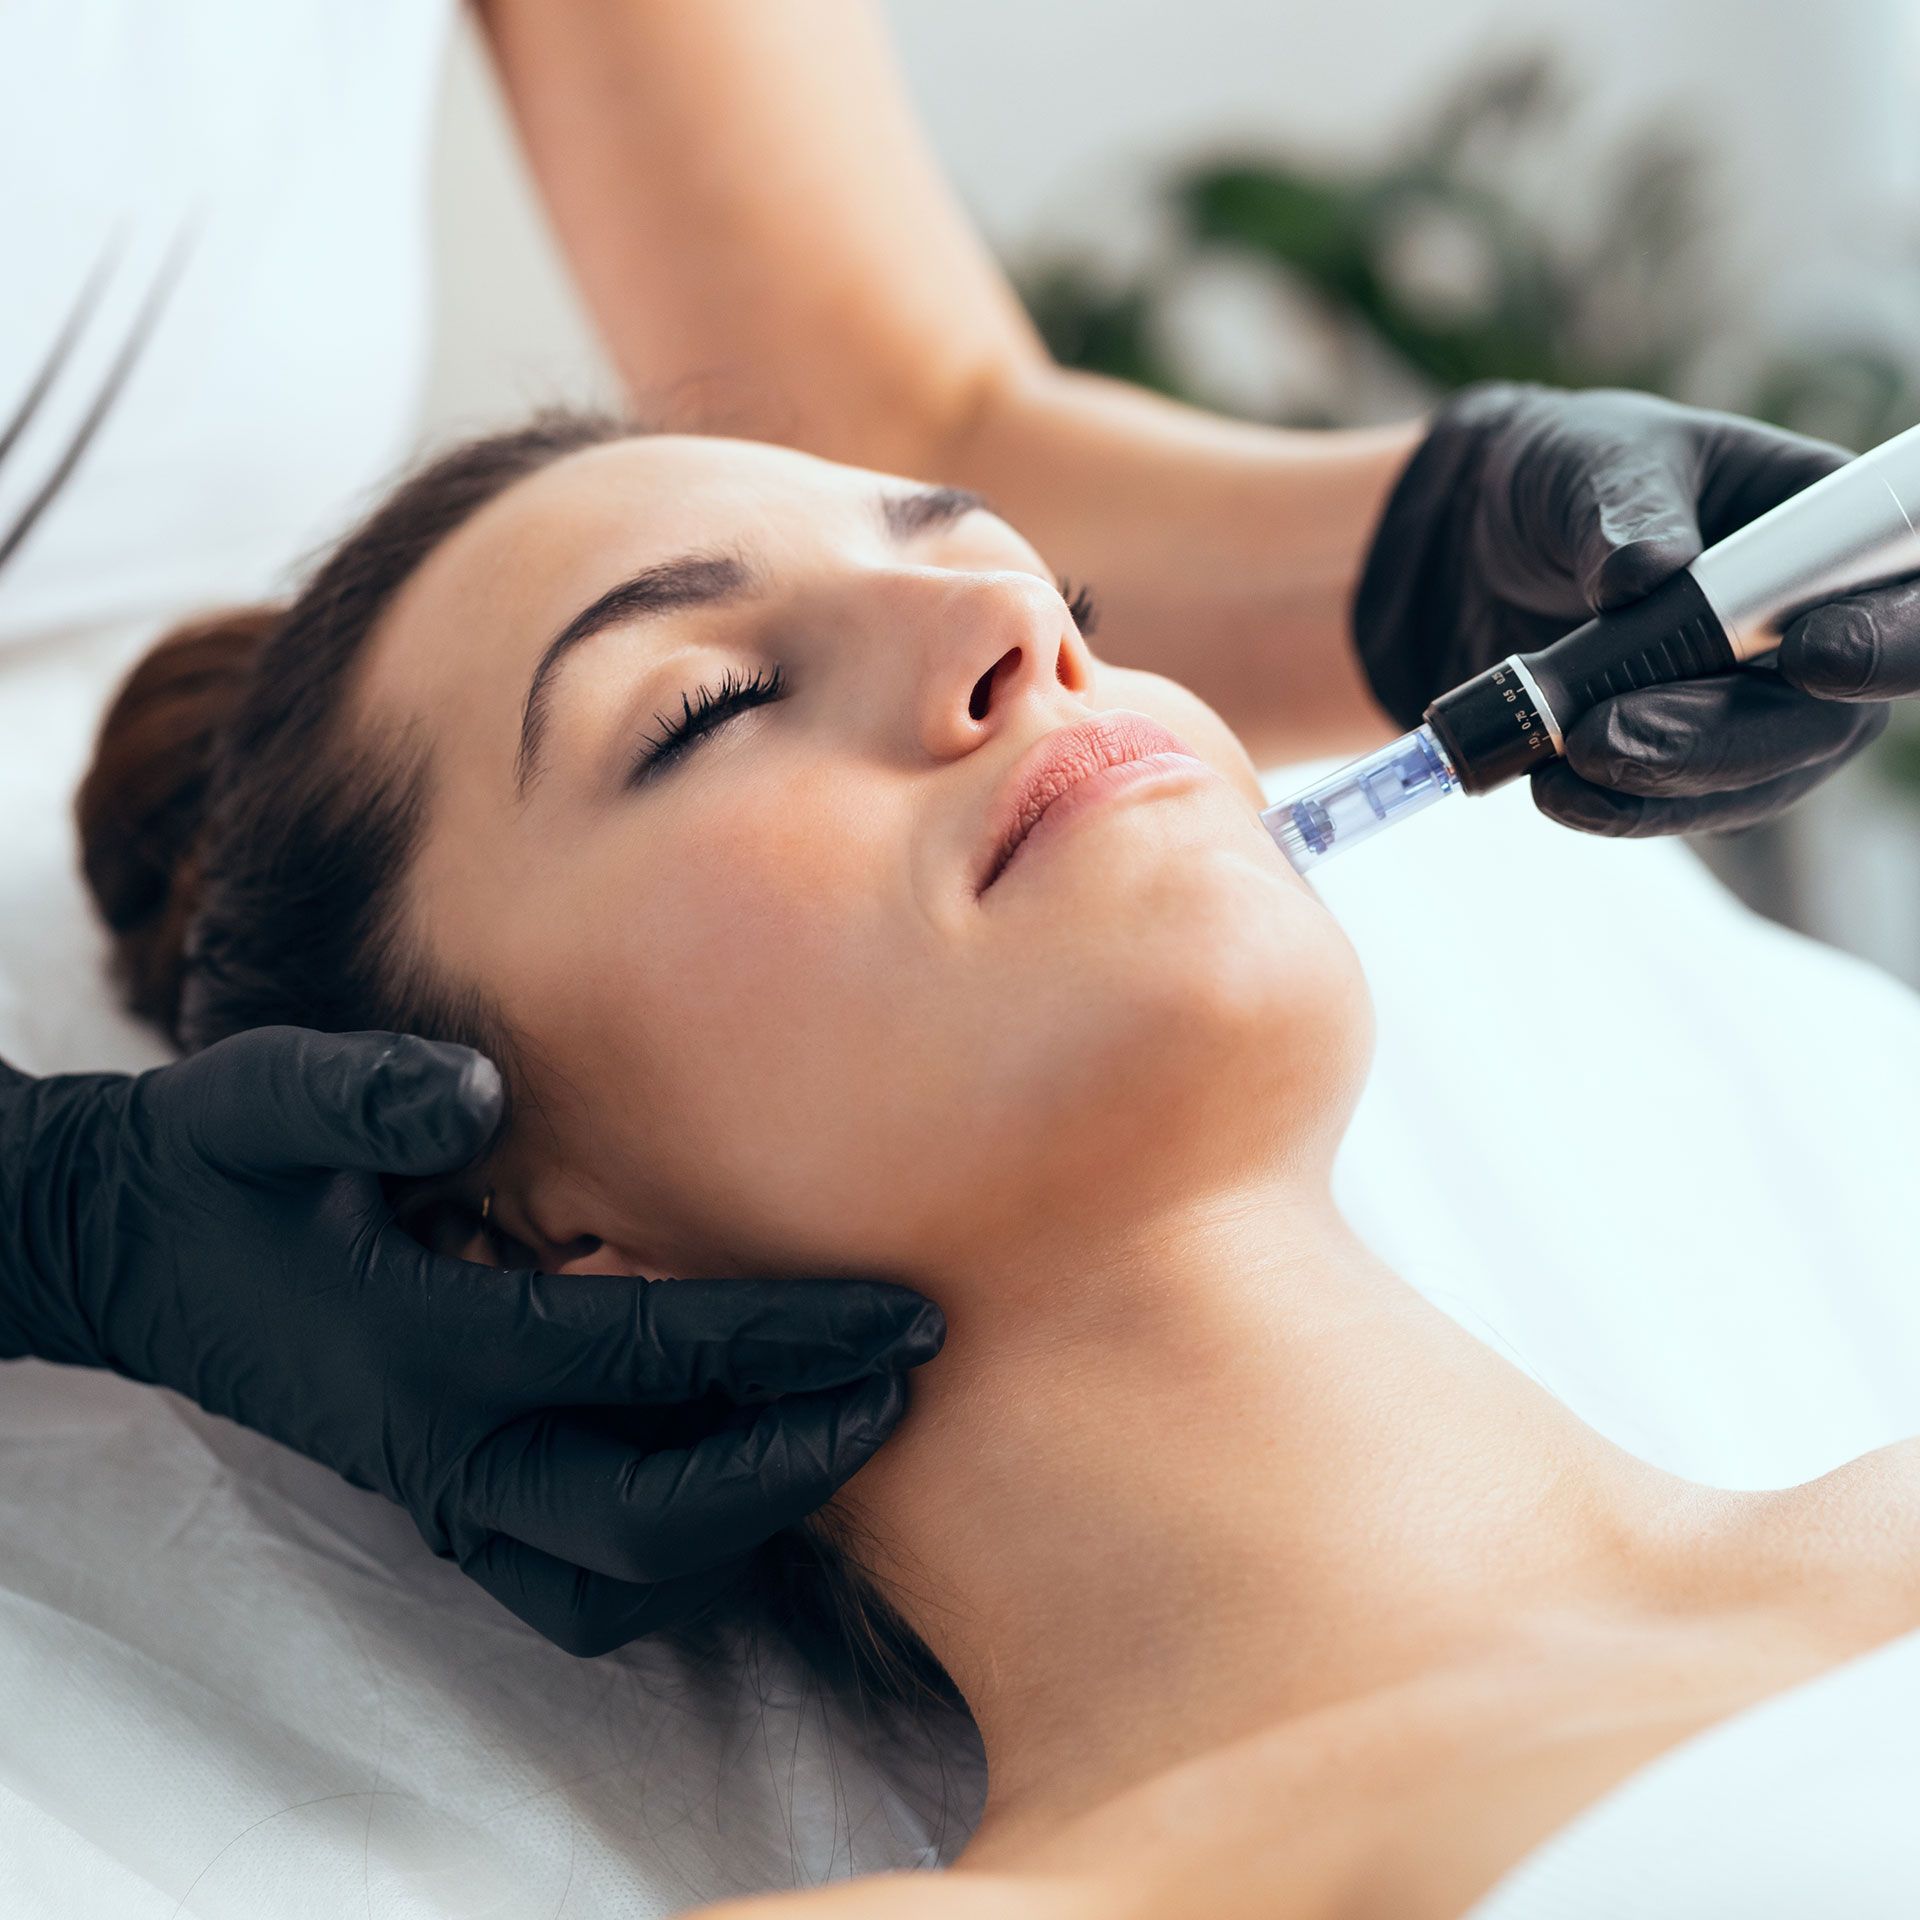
[217, 1227]
[1526, 511]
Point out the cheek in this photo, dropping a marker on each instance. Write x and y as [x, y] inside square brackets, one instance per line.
[776, 1062]
[748, 1014]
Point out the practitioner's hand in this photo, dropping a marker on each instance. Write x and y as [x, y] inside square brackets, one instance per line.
[578, 1444]
[1525, 511]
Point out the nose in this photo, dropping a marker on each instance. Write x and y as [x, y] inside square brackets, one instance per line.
[1002, 639]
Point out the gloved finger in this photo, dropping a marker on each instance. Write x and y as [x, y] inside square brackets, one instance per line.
[1562, 795]
[1632, 523]
[1864, 647]
[584, 1613]
[1751, 467]
[1651, 502]
[535, 1340]
[1602, 502]
[591, 1500]
[282, 1100]
[1694, 737]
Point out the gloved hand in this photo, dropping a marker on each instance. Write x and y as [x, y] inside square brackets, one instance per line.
[1525, 511]
[217, 1227]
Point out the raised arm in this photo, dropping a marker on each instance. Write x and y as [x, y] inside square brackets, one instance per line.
[765, 239]
[925, 1896]
[768, 247]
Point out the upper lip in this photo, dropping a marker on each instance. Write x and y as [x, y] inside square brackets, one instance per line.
[1057, 762]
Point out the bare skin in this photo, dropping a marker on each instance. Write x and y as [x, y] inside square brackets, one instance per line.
[1273, 1591]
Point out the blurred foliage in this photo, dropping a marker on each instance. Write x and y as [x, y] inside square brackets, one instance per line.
[1897, 759]
[1431, 255]
[1456, 258]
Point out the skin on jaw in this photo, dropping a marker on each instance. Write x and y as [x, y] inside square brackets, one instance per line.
[767, 1026]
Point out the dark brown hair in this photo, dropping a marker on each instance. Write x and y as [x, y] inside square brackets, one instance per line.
[248, 852]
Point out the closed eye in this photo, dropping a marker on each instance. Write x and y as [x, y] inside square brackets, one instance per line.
[1081, 604]
[710, 708]
[703, 713]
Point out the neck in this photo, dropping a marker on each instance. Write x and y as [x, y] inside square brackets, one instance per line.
[1210, 1470]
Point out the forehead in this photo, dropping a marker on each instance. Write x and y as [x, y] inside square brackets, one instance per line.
[495, 590]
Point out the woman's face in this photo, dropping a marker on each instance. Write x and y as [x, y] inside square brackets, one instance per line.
[782, 1002]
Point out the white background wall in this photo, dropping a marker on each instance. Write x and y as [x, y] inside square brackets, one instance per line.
[1054, 118]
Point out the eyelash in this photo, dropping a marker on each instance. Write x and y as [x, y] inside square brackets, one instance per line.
[702, 712]
[711, 707]
[1082, 605]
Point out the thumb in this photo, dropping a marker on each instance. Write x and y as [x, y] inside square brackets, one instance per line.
[282, 1100]
[1638, 521]
[1631, 571]
[1614, 500]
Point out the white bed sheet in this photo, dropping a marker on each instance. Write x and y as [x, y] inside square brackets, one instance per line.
[1655, 1149]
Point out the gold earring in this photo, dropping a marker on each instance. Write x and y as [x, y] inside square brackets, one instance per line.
[486, 1205]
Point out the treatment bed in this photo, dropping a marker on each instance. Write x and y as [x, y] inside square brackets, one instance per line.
[1678, 1188]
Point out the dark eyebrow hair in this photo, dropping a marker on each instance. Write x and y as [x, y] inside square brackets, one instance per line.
[905, 514]
[692, 580]
[701, 580]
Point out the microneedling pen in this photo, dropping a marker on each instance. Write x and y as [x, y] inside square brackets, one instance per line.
[1852, 530]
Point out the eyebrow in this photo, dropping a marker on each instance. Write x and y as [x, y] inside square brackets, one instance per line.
[701, 580]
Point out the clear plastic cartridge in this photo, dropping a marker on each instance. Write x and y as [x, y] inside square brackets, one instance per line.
[1364, 796]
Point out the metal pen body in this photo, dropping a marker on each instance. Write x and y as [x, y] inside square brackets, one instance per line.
[1857, 528]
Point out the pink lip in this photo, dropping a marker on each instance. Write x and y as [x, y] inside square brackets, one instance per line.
[1074, 768]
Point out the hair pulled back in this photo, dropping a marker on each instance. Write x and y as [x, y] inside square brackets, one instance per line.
[248, 852]
[244, 849]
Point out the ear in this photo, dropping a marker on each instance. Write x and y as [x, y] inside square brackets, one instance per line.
[545, 1220]
[446, 1217]
[509, 1244]
[600, 1256]
[445, 1220]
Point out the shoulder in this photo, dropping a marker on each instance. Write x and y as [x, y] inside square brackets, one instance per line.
[896, 1896]
[1853, 1537]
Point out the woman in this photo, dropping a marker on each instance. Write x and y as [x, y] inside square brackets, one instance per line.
[762, 235]
[831, 907]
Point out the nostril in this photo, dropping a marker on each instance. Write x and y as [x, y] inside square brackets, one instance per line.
[981, 699]
[1067, 669]
[982, 694]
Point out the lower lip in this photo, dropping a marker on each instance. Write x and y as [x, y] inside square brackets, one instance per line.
[1097, 789]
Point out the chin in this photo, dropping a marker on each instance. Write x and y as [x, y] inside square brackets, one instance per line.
[1204, 1016]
